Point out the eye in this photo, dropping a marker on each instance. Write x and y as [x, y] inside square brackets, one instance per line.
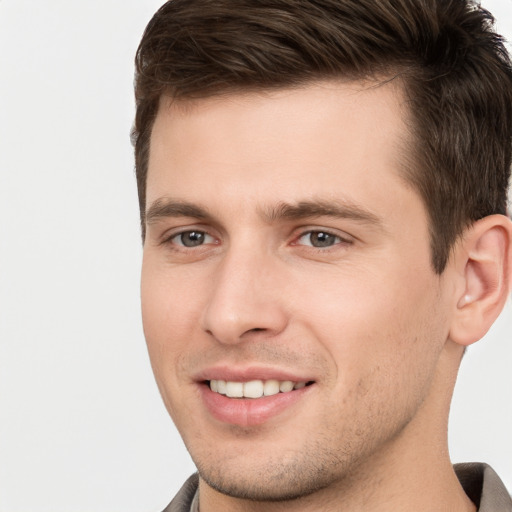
[192, 238]
[319, 239]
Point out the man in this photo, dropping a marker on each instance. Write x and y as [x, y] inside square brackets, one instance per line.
[323, 189]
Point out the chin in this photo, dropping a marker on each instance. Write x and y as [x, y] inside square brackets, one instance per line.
[279, 485]
[275, 478]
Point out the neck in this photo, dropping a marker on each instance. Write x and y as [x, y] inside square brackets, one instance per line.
[411, 472]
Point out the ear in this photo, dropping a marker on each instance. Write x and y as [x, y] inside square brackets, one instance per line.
[483, 258]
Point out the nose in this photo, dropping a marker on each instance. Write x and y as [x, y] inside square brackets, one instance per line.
[245, 299]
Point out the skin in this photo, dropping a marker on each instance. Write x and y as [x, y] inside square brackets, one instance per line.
[365, 317]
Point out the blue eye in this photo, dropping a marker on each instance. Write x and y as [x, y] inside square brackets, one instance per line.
[192, 238]
[319, 239]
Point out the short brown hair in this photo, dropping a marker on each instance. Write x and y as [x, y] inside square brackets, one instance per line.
[455, 69]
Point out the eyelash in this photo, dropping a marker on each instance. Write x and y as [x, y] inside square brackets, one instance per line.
[339, 240]
[169, 240]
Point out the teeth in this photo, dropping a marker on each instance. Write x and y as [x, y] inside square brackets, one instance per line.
[254, 388]
[286, 386]
[221, 387]
[271, 387]
[234, 389]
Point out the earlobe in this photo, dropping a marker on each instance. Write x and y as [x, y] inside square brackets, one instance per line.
[484, 256]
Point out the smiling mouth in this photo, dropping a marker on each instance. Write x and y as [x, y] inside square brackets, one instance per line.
[255, 388]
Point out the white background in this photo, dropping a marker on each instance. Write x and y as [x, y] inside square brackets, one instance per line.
[82, 427]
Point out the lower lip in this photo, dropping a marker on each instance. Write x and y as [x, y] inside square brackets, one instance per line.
[248, 412]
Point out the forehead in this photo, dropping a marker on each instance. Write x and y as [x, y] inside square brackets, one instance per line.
[338, 139]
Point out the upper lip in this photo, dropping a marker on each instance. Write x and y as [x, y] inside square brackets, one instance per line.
[245, 374]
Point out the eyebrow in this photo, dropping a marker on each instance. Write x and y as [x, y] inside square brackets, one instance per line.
[164, 207]
[343, 209]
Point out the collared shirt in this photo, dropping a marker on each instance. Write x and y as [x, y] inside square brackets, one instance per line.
[482, 485]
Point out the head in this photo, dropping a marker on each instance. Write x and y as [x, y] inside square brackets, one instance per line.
[320, 185]
[454, 70]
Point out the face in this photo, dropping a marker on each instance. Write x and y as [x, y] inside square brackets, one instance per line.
[293, 320]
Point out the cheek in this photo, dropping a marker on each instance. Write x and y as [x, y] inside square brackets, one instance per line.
[368, 320]
[384, 349]
[169, 318]
[169, 314]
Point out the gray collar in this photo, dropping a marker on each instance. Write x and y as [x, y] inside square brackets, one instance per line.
[484, 487]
